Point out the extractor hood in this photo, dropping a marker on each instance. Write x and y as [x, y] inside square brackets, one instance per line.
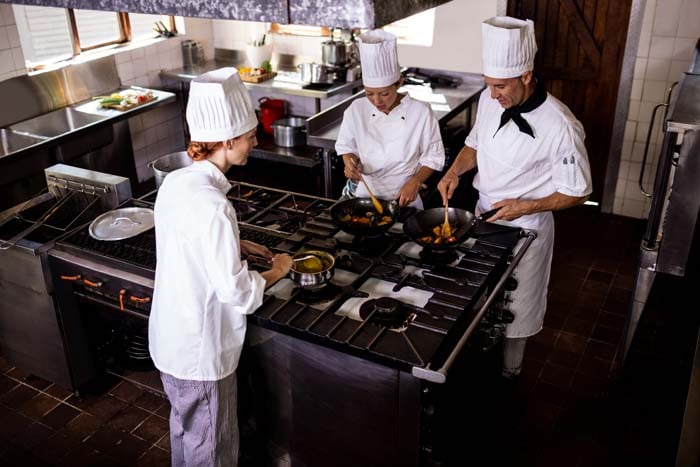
[333, 13]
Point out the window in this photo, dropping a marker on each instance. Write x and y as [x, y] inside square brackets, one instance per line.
[49, 34]
[414, 30]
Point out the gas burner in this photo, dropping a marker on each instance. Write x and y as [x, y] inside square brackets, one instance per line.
[433, 257]
[385, 311]
[319, 294]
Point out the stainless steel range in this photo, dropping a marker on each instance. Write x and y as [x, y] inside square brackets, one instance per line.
[30, 331]
[344, 374]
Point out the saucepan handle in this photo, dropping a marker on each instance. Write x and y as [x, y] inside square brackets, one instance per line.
[487, 214]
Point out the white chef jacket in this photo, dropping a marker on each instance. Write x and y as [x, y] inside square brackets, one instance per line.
[202, 288]
[513, 165]
[391, 147]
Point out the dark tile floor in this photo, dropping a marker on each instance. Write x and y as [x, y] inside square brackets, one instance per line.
[569, 407]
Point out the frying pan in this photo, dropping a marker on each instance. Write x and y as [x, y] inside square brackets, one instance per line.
[421, 224]
[360, 207]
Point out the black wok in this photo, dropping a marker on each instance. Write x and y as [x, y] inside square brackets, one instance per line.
[361, 207]
[421, 224]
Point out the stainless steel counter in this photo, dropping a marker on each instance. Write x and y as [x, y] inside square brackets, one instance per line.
[277, 84]
[52, 128]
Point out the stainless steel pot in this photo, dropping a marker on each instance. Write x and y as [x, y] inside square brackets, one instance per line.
[311, 279]
[167, 163]
[289, 132]
[335, 53]
[315, 73]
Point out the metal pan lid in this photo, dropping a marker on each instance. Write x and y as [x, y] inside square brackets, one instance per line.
[121, 223]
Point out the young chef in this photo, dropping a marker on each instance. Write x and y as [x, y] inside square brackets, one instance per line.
[202, 288]
[529, 150]
[390, 139]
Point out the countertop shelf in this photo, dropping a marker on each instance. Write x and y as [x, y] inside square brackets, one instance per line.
[304, 156]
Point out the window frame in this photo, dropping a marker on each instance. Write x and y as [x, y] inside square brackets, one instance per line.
[124, 31]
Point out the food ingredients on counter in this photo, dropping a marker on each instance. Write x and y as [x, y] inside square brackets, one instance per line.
[126, 98]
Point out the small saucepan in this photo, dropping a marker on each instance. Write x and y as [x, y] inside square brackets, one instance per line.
[422, 223]
[314, 271]
[358, 216]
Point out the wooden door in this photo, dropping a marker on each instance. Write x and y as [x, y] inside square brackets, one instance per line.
[580, 49]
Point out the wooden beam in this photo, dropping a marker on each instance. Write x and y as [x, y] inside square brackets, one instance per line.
[573, 15]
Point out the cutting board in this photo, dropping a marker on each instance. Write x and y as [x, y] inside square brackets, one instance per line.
[257, 78]
[127, 106]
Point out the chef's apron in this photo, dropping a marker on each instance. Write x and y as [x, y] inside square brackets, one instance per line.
[529, 299]
[379, 162]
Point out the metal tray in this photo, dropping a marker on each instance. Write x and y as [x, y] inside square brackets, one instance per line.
[122, 223]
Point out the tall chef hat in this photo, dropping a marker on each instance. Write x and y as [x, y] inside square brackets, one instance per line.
[509, 46]
[379, 59]
[219, 107]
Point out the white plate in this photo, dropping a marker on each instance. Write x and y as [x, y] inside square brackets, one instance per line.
[121, 223]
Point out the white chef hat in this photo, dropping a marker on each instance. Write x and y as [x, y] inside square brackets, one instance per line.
[219, 107]
[379, 59]
[509, 46]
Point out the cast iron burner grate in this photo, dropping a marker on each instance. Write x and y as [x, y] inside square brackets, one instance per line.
[139, 250]
[438, 257]
[385, 311]
[318, 295]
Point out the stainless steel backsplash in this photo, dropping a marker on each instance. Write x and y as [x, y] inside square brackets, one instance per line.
[27, 96]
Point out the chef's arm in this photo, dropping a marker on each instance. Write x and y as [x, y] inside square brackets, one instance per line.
[514, 208]
[281, 264]
[465, 161]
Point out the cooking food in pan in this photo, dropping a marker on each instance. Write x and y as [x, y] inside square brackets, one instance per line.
[357, 216]
[436, 237]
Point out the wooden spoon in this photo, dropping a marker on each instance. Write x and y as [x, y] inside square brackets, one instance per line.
[377, 205]
[446, 230]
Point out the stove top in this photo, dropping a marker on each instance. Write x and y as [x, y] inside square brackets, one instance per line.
[388, 301]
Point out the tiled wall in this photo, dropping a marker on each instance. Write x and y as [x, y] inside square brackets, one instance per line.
[11, 57]
[670, 30]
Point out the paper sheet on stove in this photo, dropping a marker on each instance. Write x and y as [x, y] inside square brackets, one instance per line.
[412, 250]
[377, 288]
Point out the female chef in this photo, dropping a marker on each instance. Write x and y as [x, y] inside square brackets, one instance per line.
[389, 139]
[202, 288]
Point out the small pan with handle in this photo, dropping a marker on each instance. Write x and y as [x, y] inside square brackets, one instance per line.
[368, 222]
[422, 223]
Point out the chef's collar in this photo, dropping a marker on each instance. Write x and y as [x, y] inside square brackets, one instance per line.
[219, 178]
[531, 103]
[398, 111]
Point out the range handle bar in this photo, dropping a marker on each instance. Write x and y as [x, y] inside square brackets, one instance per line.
[440, 375]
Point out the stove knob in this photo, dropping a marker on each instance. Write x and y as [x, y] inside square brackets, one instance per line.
[511, 284]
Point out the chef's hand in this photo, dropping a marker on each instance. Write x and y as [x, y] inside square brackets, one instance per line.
[409, 192]
[353, 166]
[511, 209]
[282, 263]
[250, 248]
[447, 186]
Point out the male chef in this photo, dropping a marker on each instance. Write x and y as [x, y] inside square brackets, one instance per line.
[528, 148]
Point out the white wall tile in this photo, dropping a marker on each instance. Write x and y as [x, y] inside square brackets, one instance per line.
[677, 68]
[630, 131]
[683, 47]
[667, 17]
[633, 208]
[633, 111]
[654, 91]
[640, 66]
[645, 111]
[689, 25]
[617, 206]
[661, 46]
[657, 69]
[636, 91]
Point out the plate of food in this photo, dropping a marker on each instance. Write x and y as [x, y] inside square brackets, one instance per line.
[125, 100]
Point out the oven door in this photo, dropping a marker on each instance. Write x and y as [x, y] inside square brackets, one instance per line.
[104, 318]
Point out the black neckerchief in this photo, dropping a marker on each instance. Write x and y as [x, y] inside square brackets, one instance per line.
[535, 100]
